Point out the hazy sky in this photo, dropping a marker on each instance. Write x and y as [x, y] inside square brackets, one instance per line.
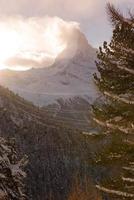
[89, 13]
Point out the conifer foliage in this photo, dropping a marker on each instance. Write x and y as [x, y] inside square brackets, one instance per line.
[115, 113]
[11, 173]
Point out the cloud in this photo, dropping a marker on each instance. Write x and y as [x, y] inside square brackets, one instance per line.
[34, 41]
[59, 8]
[32, 38]
[22, 63]
[91, 14]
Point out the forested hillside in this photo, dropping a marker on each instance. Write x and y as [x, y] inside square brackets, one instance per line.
[12, 173]
[59, 158]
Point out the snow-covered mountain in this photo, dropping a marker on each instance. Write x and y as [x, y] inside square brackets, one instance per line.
[68, 77]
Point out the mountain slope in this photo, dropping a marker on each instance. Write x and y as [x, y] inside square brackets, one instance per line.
[59, 158]
[68, 77]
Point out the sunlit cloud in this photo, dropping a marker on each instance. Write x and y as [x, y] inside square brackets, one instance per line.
[57, 7]
[33, 42]
[33, 39]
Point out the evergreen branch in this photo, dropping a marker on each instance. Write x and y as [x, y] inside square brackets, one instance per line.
[129, 142]
[116, 16]
[117, 63]
[127, 50]
[129, 186]
[130, 180]
[131, 163]
[131, 71]
[113, 126]
[116, 97]
[131, 169]
[115, 192]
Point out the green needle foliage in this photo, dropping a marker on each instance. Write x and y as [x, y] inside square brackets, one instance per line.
[114, 113]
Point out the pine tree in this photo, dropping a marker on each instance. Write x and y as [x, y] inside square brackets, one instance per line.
[115, 112]
[11, 173]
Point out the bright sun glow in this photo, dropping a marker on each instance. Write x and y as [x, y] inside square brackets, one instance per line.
[9, 45]
[52, 34]
[22, 42]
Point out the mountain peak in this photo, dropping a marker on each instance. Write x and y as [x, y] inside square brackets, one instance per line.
[77, 46]
[71, 75]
